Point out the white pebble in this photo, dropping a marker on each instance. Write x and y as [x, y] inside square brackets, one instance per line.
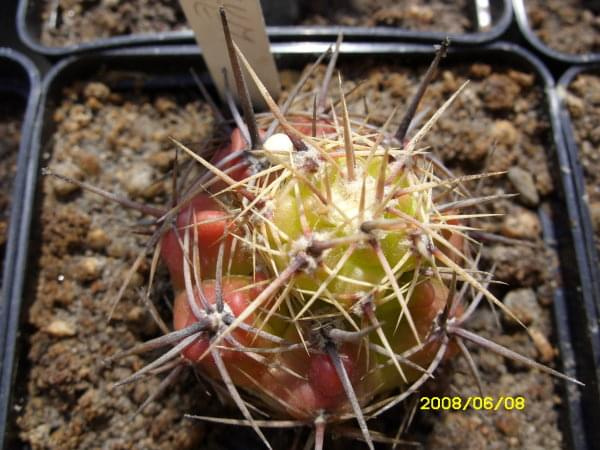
[279, 142]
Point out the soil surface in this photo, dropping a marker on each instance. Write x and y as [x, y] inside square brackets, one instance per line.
[569, 26]
[583, 101]
[11, 117]
[106, 137]
[421, 15]
[103, 137]
[70, 22]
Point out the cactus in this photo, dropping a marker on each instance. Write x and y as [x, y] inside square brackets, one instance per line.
[322, 267]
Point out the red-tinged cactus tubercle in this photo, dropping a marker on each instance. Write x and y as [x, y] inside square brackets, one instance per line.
[324, 378]
[207, 225]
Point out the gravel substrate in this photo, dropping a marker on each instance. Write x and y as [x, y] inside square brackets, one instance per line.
[568, 26]
[72, 22]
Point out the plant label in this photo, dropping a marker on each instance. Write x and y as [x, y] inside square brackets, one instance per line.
[248, 30]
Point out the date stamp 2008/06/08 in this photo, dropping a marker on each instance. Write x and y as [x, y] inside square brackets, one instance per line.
[453, 403]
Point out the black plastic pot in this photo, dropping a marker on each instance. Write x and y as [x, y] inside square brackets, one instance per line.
[168, 67]
[538, 44]
[18, 78]
[579, 181]
[29, 29]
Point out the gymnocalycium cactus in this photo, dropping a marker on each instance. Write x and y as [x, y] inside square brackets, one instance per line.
[320, 264]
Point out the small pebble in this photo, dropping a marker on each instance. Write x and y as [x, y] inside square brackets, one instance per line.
[508, 423]
[422, 14]
[87, 162]
[521, 224]
[159, 135]
[163, 104]
[137, 180]
[450, 81]
[523, 79]
[279, 142]
[97, 239]
[523, 304]
[135, 314]
[480, 70]
[504, 133]
[161, 160]
[88, 269]
[97, 90]
[524, 184]
[61, 328]
[63, 188]
[79, 117]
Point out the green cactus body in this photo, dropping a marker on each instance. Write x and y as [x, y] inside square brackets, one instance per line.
[362, 270]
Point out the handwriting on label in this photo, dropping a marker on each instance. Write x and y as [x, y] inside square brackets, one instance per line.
[247, 27]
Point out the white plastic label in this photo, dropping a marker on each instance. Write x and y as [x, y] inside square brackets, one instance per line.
[247, 26]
